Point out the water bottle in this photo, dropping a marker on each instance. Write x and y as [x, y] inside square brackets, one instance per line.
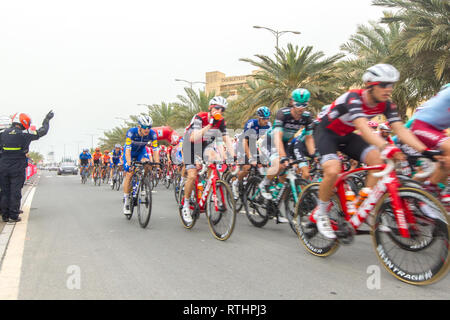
[350, 197]
[200, 190]
[363, 194]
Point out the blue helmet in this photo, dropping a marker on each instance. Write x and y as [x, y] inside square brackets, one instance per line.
[263, 112]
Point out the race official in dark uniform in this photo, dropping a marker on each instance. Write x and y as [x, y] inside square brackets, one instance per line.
[14, 145]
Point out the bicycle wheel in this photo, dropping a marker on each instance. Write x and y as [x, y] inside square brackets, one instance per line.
[144, 202]
[289, 201]
[254, 203]
[194, 210]
[423, 258]
[307, 232]
[221, 220]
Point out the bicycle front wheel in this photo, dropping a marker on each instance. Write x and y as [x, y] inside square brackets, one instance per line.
[144, 203]
[423, 258]
[221, 211]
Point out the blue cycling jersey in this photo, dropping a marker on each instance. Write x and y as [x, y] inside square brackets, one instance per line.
[436, 111]
[136, 143]
[116, 155]
[252, 129]
[85, 156]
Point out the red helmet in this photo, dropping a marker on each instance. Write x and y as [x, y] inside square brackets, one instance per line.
[22, 119]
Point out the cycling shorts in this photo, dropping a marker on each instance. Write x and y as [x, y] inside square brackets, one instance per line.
[143, 154]
[353, 145]
[429, 135]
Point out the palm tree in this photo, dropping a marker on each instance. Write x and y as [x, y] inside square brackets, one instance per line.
[371, 44]
[163, 114]
[113, 137]
[425, 37]
[291, 68]
[190, 105]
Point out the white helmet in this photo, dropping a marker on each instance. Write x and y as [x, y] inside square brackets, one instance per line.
[5, 122]
[145, 120]
[384, 127]
[218, 101]
[381, 73]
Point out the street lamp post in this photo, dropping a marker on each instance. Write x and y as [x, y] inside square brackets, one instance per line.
[277, 33]
[191, 83]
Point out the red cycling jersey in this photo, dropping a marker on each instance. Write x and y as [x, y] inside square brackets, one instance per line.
[201, 120]
[351, 106]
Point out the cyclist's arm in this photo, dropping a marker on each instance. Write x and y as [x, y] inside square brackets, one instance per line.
[128, 155]
[407, 136]
[278, 140]
[310, 145]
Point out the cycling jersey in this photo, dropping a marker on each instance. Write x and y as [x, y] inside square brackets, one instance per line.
[84, 158]
[351, 106]
[436, 111]
[252, 132]
[286, 123]
[106, 158]
[116, 156]
[201, 120]
[136, 143]
[97, 156]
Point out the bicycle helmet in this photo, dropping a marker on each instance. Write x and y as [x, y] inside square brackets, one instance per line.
[384, 127]
[263, 112]
[301, 96]
[117, 146]
[381, 73]
[218, 101]
[85, 150]
[106, 151]
[23, 119]
[145, 120]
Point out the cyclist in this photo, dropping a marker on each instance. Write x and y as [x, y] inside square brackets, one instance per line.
[288, 122]
[135, 150]
[246, 144]
[116, 159]
[96, 157]
[384, 130]
[199, 138]
[85, 161]
[429, 127]
[351, 112]
[106, 162]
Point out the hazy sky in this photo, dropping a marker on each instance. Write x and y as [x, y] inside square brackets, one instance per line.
[93, 61]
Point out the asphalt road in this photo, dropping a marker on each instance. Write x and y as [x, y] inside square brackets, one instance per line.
[79, 245]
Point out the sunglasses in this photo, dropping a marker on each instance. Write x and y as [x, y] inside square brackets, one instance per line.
[300, 105]
[145, 127]
[219, 108]
[385, 85]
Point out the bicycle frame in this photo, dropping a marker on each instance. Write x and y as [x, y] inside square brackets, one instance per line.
[387, 184]
[214, 177]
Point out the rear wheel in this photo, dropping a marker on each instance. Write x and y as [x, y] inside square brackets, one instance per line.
[423, 258]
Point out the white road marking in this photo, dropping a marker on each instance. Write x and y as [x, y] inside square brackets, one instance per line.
[12, 262]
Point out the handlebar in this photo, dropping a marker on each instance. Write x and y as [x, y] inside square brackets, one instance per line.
[389, 167]
[428, 168]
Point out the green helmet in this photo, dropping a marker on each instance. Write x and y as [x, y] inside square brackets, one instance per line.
[301, 95]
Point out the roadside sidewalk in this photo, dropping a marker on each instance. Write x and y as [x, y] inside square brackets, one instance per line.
[7, 228]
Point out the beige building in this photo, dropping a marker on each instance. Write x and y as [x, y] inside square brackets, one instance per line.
[221, 84]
